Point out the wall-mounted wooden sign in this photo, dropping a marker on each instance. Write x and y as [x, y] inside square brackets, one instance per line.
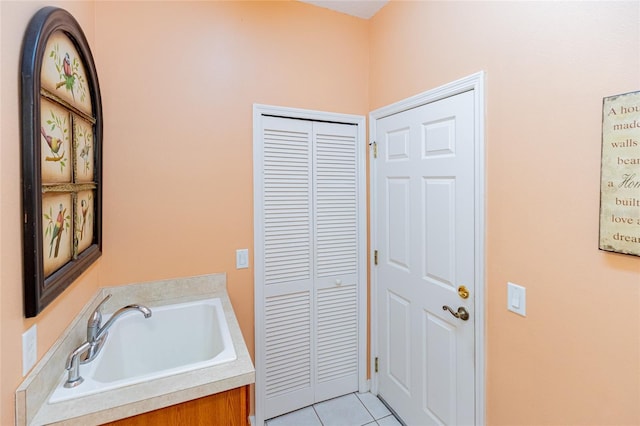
[620, 174]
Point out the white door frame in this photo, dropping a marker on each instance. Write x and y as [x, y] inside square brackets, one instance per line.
[473, 82]
[260, 110]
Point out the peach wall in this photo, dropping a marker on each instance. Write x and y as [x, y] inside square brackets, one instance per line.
[575, 358]
[14, 17]
[178, 83]
[178, 95]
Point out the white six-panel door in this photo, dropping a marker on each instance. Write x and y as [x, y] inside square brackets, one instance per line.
[424, 223]
[308, 263]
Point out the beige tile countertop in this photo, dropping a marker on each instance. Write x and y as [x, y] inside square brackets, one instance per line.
[33, 408]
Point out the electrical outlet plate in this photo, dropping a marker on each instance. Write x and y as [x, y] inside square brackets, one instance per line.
[29, 349]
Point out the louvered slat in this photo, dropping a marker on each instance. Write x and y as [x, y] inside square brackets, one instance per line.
[335, 196]
[287, 343]
[287, 205]
[337, 333]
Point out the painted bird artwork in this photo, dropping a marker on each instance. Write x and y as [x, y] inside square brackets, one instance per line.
[84, 154]
[56, 234]
[69, 68]
[66, 65]
[85, 209]
[68, 75]
[54, 145]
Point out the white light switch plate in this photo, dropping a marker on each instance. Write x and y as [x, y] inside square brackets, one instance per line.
[29, 349]
[517, 299]
[242, 258]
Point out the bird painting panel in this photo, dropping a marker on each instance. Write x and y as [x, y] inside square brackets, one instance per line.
[57, 230]
[55, 147]
[84, 219]
[83, 149]
[63, 73]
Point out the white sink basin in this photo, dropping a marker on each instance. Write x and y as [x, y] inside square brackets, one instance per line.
[175, 339]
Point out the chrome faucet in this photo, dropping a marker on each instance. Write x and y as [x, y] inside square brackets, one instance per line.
[96, 336]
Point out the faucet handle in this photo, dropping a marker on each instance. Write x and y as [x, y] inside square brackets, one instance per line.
[95, 320]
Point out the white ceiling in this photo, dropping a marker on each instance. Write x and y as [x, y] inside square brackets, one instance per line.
[364, 9]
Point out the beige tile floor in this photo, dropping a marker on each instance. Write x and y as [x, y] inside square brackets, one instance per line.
[354, 409]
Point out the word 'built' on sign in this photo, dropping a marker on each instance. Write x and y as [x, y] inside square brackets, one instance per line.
[620, 174]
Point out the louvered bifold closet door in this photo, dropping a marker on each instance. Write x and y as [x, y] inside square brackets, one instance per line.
[336, 266]
[307, 341]
[287, 266]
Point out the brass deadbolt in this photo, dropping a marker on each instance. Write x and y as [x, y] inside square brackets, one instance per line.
[463, 292]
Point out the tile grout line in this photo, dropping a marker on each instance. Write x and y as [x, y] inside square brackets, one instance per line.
[357, 398]
[372, 415]
[374, 420]
[316, 413]
[365, 407]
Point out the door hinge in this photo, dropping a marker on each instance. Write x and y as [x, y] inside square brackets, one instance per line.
[375, 149]
[376, 365]
[375, 257]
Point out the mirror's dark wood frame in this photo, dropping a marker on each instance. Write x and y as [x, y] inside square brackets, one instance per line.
[40, 290]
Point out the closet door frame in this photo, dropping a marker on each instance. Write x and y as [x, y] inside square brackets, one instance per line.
[260, 110]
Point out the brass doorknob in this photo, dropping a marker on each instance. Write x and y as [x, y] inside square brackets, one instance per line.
[462, 313]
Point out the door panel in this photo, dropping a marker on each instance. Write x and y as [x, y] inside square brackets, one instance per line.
[438, 208]
[287, 264]
[425, 226]
[398, 366]
[398, 225]
[336, 259]
[398, 145]
[287, 365]
[337, 341]
[439, 368]
[439, 138]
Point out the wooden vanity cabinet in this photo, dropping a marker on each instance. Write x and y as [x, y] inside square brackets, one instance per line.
[229, 408]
